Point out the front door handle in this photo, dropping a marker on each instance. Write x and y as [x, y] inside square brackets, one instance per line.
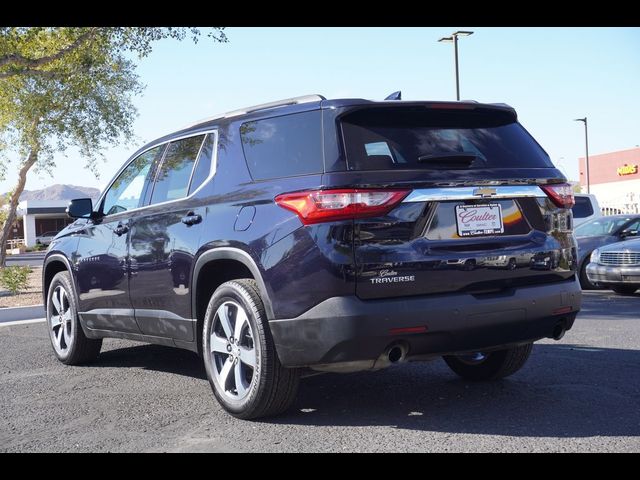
[191, 219]
[121, 229]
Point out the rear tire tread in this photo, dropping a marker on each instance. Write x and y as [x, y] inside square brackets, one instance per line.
[499, 364]
[281, 385]
[284, 386]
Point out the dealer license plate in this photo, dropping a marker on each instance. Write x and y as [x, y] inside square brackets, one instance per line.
[473, 220]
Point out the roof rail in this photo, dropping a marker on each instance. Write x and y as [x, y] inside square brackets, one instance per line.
[277, 103]
[256, 108]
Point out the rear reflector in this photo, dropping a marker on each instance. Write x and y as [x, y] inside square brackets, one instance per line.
[316, 206]
[561, 194]
[407, 330]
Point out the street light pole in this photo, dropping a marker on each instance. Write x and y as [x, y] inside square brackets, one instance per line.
[454, 39]
[586, 148]
[455, 50]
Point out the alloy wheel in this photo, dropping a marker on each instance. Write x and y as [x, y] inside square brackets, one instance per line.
[232, 348]
[60, 320]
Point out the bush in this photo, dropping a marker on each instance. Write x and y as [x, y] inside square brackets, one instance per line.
[38, 247]
[14, 279]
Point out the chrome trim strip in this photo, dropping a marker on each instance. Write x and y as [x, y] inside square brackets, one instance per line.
[212, 172]
[467, 193]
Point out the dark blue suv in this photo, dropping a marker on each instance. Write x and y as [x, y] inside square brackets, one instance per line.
[325, 235]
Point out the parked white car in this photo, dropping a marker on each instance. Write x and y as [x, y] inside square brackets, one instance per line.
[586, 208]
[45, 238]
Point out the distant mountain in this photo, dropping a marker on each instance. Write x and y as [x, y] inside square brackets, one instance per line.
[60, 192]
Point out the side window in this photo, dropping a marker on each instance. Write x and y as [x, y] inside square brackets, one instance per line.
[633, 226]
[124, 194]
[203, 167]
[172, 179]
[283, 146]
[582, 208]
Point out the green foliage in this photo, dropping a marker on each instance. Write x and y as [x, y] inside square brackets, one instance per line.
[48, 51]
[38, 247]
[72, 87]
[15, 278]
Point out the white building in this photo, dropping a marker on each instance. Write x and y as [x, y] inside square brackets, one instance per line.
[38, 217]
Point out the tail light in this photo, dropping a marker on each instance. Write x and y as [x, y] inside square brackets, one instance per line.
[560, 194]
[316, 206]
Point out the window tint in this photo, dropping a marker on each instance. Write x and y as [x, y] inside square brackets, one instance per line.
[417, 138]
[582, 208]
[172, 180]
[203, 167]
[283, 146]
[124, 194]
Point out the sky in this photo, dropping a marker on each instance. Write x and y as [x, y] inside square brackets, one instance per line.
[549, 75]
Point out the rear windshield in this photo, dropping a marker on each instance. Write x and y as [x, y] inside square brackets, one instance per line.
[420, 138]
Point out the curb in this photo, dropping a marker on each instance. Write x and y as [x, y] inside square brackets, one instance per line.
[21, 313]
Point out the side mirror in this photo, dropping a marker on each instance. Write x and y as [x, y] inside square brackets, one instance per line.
[80, 208]
[628, 233]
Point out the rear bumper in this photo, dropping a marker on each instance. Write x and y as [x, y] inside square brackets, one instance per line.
[606, 274]
[347, 329]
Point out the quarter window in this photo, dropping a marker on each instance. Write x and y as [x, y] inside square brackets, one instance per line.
[283, 146]
[172, 180]
[203, 167]
[124, 194]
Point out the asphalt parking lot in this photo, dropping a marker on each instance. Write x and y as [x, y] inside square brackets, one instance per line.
[579, 394]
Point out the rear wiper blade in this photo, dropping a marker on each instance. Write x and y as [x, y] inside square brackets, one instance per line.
[450, 160]
[436, 157]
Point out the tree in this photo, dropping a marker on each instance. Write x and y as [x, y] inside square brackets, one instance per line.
[69, 87]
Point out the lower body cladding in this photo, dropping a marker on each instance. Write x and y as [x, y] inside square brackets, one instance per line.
[610, 274]
[345, 334]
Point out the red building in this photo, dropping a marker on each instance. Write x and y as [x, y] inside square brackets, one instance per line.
[615, 180]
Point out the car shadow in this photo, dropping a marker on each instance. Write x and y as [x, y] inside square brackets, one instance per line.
[156, 358]
[564, 390]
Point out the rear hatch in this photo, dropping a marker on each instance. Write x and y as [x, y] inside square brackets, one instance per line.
[483, 208]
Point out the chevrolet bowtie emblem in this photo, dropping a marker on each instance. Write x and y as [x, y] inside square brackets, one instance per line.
[485, 192]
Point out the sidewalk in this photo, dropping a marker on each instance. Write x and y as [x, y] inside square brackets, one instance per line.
[21, 313]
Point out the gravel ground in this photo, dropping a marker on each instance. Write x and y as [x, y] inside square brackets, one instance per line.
[579, 394]
[31, 296]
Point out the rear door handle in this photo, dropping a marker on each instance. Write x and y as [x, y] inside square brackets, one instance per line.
[121, 229]
[191, 219]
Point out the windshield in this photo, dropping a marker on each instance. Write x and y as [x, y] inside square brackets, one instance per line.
[600, 226]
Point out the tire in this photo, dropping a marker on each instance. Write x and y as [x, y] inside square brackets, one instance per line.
[585, 283]
[493, 366]
[512, 265]
[625, 289]
[70, 345]
[247, 385]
